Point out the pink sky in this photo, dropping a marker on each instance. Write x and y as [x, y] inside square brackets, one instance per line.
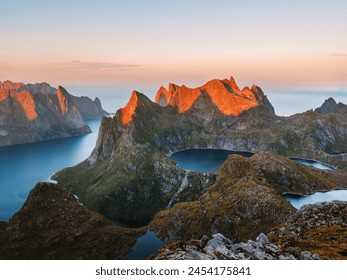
[301, 44]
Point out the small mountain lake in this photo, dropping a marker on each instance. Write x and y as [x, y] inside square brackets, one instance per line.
[145, 246]
[205, 160]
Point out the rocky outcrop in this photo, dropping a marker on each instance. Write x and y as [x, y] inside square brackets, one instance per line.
[36, 112]
[320, 228]
[247, 199]
[316, 231]
[129, 174]
[53, 225]
[331, 107]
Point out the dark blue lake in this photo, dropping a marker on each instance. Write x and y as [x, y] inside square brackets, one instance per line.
[206, 160]
[145, 246]
[22, 166]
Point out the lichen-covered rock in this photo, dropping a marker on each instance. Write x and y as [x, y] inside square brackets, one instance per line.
[320, 228]
[221, 248]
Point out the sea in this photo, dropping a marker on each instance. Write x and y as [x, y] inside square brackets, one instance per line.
[22, 166]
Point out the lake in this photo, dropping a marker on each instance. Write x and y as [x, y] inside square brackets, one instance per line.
[205, 160]
[146, 245]
[22, 166]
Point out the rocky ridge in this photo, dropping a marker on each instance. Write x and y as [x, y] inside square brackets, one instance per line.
[52, 224]
[35, 112]
[224, 94]
[130, 163]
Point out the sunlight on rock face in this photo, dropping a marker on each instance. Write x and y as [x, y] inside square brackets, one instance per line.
[62, 101]
[129, 110]
[225, 95]
[26, 100]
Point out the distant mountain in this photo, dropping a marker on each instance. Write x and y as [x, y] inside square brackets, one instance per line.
[129, 175]
[89, 109]
[330, 106]
[35, 112]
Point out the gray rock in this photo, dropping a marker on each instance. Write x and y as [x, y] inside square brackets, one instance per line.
[204, 240]
[306, 255]
[262, 238]
[196, 255]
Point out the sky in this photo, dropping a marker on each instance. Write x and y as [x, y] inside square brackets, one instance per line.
[114, 46]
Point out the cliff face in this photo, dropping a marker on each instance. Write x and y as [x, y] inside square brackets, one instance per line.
[35, 112]
[53, 225]
[130, 176]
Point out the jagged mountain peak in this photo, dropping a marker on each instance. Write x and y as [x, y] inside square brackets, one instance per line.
[136, 99]
[224, 94]
[329, 106]
[10, 85]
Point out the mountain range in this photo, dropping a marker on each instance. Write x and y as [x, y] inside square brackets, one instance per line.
[35, 112]
[130, 177]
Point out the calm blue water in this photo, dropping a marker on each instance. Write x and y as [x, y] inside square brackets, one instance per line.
[145, 246]
[22, 166]
[297, 202]
[206, 160]
[313, 163]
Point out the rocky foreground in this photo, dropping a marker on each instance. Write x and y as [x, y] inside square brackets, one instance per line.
[53, 225]
[317, 231]
[245, 202]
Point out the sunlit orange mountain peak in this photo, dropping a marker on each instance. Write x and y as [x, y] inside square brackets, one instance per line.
[225, 95]
[10, 85]
[129, 110]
